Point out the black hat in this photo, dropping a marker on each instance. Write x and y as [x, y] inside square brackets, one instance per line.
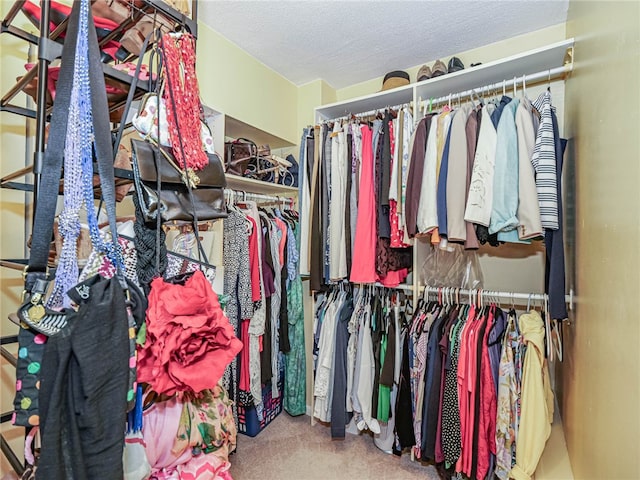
[397, 78]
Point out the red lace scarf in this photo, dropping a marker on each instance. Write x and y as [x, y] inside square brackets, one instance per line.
[182, 98]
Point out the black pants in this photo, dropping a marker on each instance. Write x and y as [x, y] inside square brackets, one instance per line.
[83, 389]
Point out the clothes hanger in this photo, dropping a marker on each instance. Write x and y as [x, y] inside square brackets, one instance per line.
[556, 338]
[547, 329]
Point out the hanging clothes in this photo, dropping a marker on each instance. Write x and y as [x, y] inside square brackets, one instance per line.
[265, 297]
[294, 398]
[457, 177]
[237, 284]
[358, 359]
[337, 197]
[480, 200]
[528, 208]
[554, 241]
[536, 401]
[427, 214]
[506, 174]
[415, 179]
[304, 185]
[544, 163]
[363, 269]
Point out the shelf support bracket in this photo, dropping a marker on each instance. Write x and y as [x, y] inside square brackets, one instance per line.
[49, 50]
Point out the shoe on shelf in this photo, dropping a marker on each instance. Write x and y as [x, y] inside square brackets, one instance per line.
[438, 69]
[59, 12]
[117, 11]
[133, 38]
[455, 65]
[424, 73]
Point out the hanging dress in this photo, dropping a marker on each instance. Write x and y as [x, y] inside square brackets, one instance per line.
[294, 400]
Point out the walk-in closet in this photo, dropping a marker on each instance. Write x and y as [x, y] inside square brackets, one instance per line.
[319, 240]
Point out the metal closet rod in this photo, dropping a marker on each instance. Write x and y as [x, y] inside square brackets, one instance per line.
[508, 296]
[368, 113]
[257, 197]
[550, 74]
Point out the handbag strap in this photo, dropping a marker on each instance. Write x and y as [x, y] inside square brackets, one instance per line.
[54, 153]
[132, 91]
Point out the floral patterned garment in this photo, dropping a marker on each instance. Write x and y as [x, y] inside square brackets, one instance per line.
[207, 425]
[508, 401]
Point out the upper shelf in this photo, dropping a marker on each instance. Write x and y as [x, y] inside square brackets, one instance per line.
[250, 185]
[533, 61]
[234, 128]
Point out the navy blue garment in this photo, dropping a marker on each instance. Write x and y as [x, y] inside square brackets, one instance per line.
[402, 413]
[432, 387]
[339, 415]
[495, 115]
[384, 179]
[554, 241]
[442, 187]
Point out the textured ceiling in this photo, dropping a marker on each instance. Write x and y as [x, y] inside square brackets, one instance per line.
[347, 42]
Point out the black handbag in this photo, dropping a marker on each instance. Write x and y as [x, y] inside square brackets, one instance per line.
[180, 194]
[180, 198]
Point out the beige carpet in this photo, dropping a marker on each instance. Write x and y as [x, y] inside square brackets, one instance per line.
[289, 448]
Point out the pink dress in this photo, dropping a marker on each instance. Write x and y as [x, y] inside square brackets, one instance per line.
[363, 266]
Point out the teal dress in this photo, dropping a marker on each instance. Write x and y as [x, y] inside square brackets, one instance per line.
[295, 382]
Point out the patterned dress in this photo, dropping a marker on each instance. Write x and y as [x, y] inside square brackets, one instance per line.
[508, 401]
[295, 400]
[237, 284]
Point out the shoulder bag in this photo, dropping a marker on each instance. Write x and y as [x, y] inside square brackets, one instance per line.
[180, 194]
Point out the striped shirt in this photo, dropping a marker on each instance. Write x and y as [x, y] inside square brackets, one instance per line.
[544, 164]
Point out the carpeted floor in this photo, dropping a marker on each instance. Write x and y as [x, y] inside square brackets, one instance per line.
[289, 448]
